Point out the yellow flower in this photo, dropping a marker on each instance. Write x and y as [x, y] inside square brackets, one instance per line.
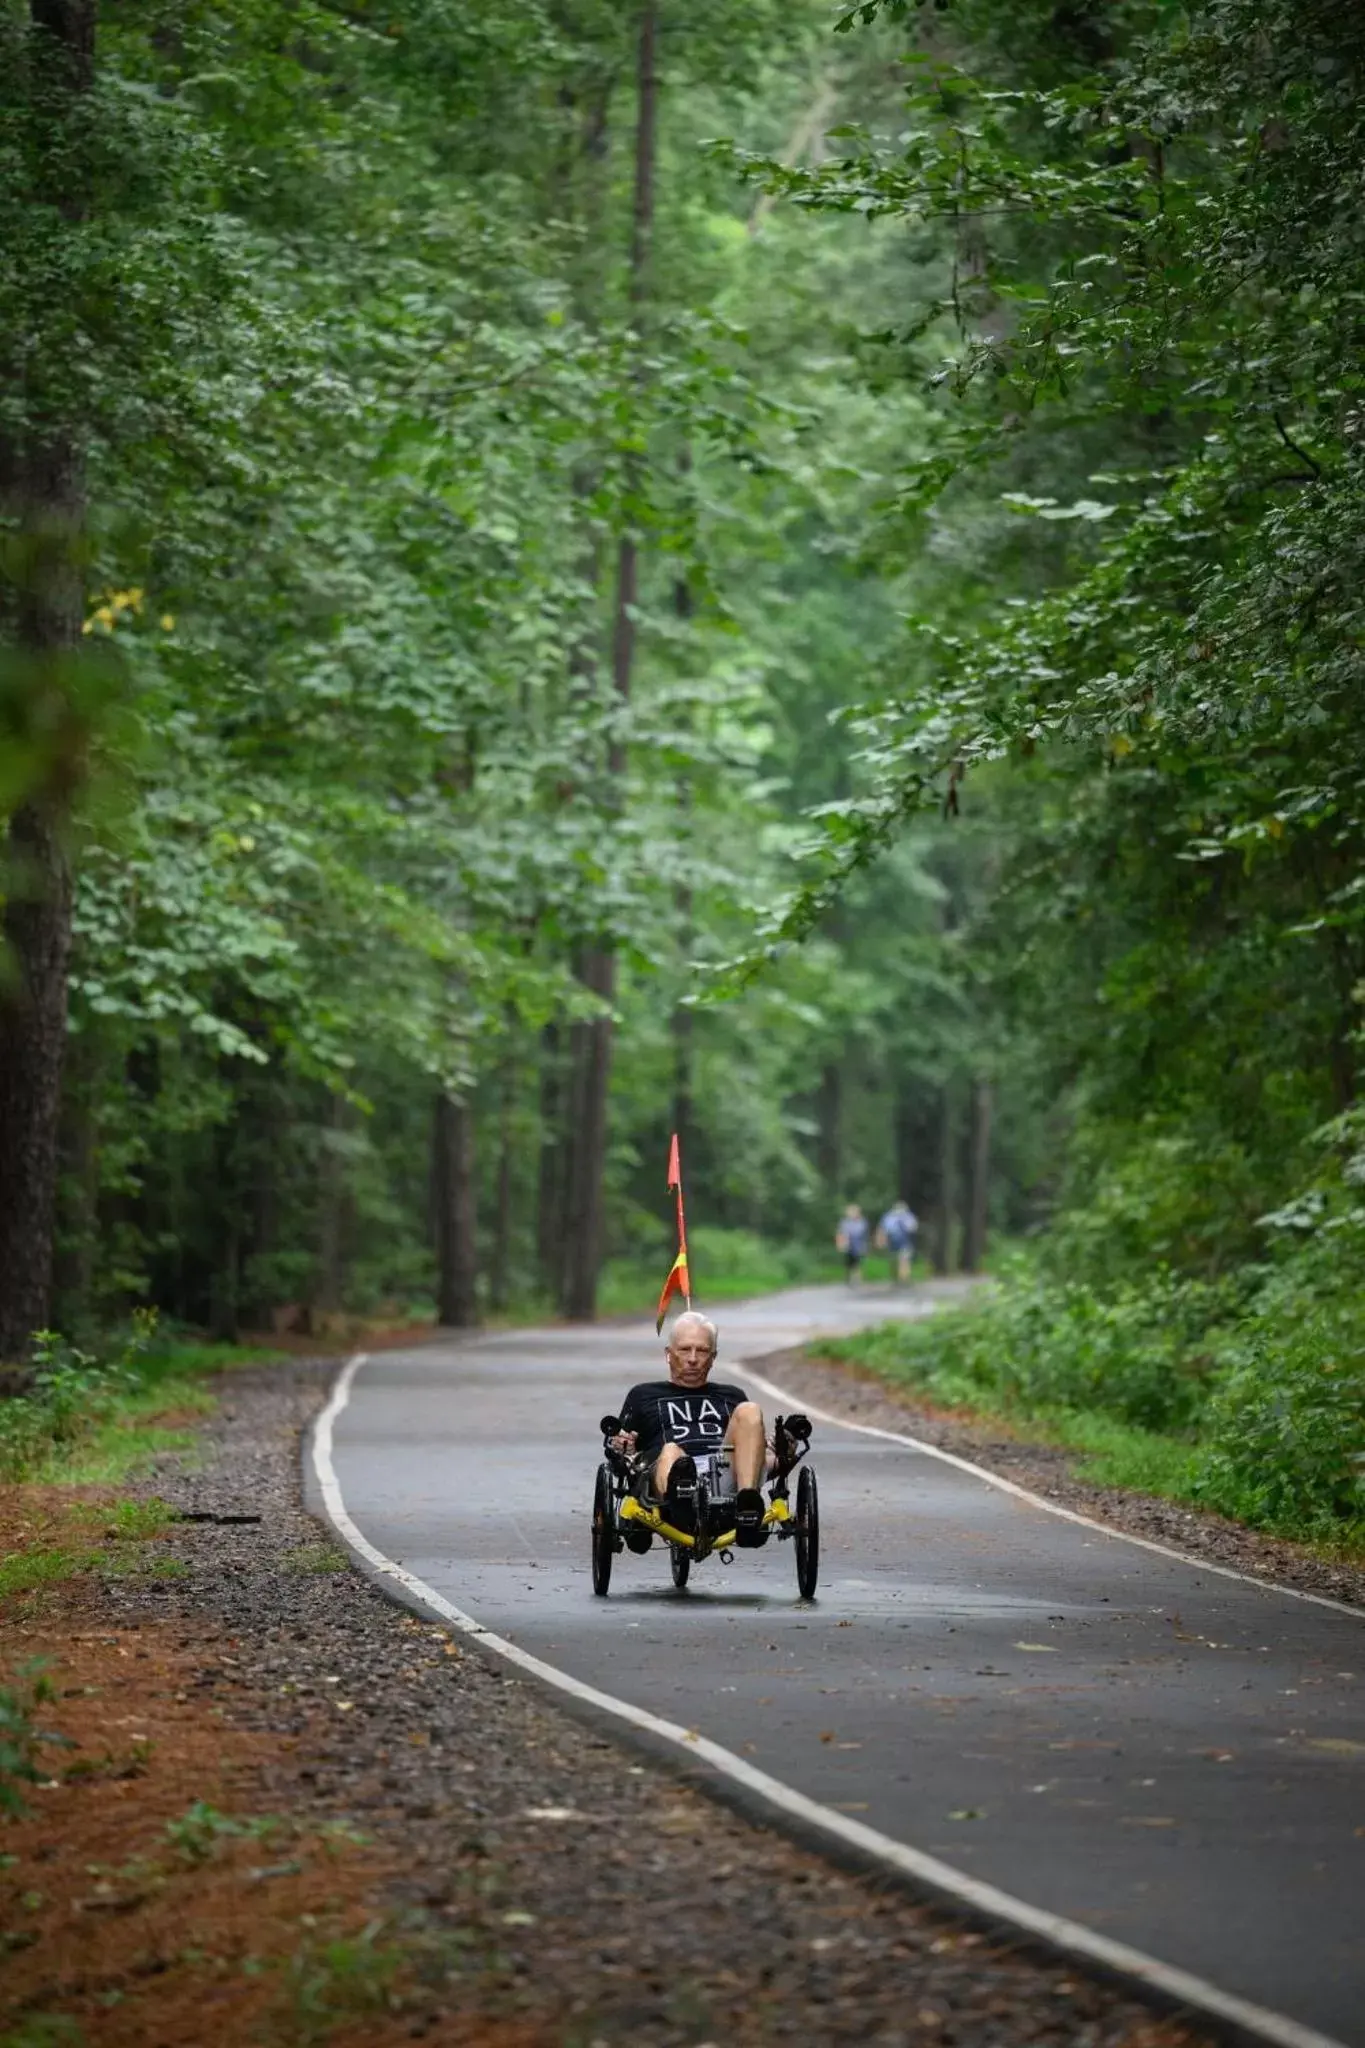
[167, 622]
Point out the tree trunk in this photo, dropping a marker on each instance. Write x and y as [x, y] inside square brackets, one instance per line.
[682, 1020]
[915, 1134]
[584, 1234]
[78, 1196]
[334, 1209]
[941, 1248]
[976, 1205]
[37, 941]
[225, 1279]
[828, 1143]
[42, 484]
[551, 1177]
[500, 1264]
[584, 1206]
[457, 1304]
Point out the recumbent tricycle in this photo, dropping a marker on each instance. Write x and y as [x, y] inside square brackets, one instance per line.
[625, 1508]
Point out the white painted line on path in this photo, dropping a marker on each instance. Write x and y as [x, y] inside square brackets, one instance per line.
[1066, 1935]
[794, 1405]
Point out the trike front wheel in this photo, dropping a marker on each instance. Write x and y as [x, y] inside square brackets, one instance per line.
[807, 1533]
[603, 1530]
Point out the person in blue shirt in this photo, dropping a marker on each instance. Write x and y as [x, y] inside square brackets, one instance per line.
[896, 1234]
[851, 1238]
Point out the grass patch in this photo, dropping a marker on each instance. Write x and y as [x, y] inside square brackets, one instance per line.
[23, 1571]
[316, 1558]
[116, 1450]
[129, 1520]
[1120, 1454]
[1116, 1453]
[115, 1539]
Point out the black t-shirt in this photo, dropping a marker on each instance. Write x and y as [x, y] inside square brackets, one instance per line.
[694, 1417]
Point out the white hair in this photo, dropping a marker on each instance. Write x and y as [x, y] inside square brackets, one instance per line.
[694, 1315]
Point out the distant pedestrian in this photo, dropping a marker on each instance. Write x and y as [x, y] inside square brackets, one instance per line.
[896, 1234]
[851, 1238]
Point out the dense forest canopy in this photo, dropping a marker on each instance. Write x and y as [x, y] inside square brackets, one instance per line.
[573, 571]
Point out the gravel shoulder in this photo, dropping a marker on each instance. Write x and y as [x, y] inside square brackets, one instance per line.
[860, 1396]
[544, 1885]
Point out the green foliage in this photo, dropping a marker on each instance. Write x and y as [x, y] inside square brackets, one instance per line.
[197, 1833]
[21, 1739]
[726, 1265]
[985, 428]
[46, 2030]
[1284, 1443]
[1029, 1346]
[44, 1564]
[333, 1981]
[1247, 1396]
[88, 1419]
[71, 1393]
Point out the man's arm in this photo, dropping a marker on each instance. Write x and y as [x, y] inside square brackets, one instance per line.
[628, 1435]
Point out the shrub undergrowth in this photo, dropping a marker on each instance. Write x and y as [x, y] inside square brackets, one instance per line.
[90, 1419]
[1245, 1394]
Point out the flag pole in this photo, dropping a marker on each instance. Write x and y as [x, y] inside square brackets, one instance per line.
[679, 1274]
[682, 1226]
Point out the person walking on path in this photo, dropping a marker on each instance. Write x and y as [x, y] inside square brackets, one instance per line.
[896, 1234]
[851, 1238]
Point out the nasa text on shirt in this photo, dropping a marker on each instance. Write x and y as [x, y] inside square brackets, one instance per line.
[699, 1417]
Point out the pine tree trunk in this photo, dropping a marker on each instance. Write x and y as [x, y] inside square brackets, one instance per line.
[78, 1187]
[37, 940]
[941, 1248]
[976, 1206]
[500, 1263]
[682, 1020]
[828, 1142]
[333, 1209]
[457, 1305]
[584, 1207]
[42, 484]
[225, 1280]
[551, 1176]
[584, 1223]
[908, 1134]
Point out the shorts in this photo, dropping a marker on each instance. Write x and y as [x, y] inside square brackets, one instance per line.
[852, 1261]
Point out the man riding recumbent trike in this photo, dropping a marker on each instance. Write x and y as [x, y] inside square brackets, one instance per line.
[687, 1460]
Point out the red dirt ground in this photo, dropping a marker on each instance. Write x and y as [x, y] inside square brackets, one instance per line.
[149, 1931]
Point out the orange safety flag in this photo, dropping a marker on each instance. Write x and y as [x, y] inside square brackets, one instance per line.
[678, 1281]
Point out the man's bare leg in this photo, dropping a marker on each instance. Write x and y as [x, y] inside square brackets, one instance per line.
[663, 1465]
[746, 1437]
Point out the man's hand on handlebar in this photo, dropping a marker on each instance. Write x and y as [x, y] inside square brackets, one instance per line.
[624, 1441]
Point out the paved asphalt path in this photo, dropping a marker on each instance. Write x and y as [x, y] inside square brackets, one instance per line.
[1173, 1758]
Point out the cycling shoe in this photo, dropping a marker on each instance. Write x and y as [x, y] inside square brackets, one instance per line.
[750, 1533]
[680, 1501]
